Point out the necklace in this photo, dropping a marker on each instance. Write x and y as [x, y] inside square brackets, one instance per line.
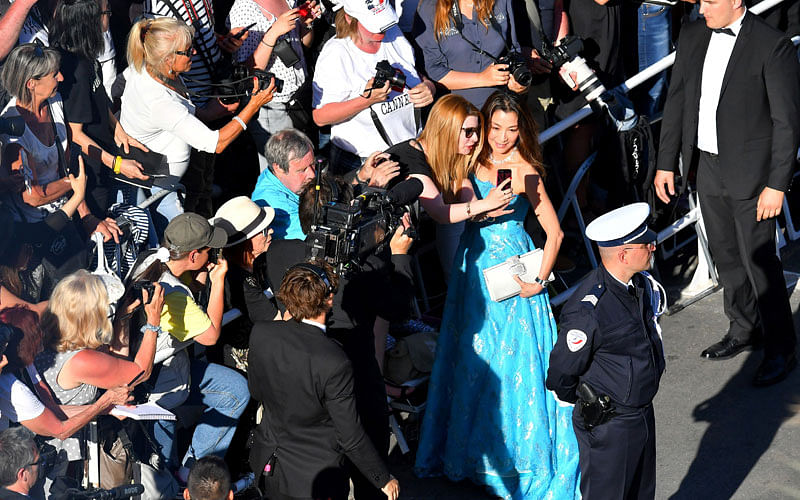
[504, 160]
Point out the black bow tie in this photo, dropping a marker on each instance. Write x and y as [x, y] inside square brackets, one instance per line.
[726, 31]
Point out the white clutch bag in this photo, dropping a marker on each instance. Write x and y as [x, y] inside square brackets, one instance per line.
[500, 278]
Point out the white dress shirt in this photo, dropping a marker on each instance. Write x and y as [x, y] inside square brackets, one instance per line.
[718, 54]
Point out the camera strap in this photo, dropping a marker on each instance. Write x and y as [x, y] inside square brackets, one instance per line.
[62, 165]
[458, 23]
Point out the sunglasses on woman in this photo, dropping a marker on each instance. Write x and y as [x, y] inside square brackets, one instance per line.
[470, 131]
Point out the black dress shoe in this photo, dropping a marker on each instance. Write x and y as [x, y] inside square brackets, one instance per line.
[726, 348]
[774, 369]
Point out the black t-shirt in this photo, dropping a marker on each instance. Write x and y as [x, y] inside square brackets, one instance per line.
[411, 160]
[86, 102]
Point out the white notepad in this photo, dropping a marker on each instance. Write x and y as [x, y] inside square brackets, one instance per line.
[146, 411]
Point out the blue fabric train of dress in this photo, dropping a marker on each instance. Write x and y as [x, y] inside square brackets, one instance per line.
[489, 417]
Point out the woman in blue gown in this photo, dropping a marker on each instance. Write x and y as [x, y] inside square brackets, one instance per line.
[489, 417]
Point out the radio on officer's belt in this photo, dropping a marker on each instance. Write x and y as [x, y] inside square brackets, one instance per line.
[594, 409]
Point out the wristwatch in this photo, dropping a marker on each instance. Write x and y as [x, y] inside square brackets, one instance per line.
[542, 282]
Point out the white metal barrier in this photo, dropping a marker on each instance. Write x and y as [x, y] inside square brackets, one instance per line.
[690, 219]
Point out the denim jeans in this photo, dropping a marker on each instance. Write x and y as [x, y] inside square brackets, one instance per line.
[655, 40]
[224, 394]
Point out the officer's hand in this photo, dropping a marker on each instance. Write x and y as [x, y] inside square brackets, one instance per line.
[527, 289]
[769, 205]
[665, 183]
[391, 489]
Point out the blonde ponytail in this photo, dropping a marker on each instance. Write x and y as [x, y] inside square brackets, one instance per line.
[152, 41]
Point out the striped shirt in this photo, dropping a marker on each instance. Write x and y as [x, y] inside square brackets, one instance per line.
[200, 14]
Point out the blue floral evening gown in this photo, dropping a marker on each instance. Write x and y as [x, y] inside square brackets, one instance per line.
[489, 417]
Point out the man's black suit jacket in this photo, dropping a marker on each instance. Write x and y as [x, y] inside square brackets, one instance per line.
[305, 383]
[758, 115]
[6, 494]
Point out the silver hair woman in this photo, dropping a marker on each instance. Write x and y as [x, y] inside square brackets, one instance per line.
[31, 75]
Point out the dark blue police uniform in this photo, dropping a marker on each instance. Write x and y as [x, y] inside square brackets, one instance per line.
[609, 338]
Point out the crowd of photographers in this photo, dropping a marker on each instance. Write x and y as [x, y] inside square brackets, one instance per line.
[262, 157]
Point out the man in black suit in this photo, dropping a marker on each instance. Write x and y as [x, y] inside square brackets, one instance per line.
[19, 463]
[733, 110]
[305, 383]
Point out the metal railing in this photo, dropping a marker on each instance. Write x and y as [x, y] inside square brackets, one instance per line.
[690, 219]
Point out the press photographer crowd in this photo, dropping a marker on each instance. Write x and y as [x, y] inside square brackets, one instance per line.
[244, 242]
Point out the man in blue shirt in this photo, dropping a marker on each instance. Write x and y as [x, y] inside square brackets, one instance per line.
[291, 163]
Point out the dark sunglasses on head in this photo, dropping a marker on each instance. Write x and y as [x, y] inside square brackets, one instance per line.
[470, 131]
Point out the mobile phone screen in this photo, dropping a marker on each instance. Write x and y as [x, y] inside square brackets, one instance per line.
[502, 175]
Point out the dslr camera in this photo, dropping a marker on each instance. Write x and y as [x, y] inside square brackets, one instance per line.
[385, 72]
[517, 67]
[239, 83]
[565, 55]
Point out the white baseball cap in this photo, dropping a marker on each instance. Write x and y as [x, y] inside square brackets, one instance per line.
[376, 16]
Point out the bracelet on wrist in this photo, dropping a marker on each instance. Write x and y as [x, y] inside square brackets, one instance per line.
[152, 328]
[265, 43]
[240, 121]
[117, 164]
[469, 211]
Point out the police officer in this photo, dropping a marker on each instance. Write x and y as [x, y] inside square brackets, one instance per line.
[608, 359]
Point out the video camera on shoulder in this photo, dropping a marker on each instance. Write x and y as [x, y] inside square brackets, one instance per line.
[346, 231]
[566, 55]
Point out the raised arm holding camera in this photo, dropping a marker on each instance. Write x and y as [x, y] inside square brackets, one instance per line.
[365, 84]
[471, 48]
[187, 262]
[278, 36]
[156, 105]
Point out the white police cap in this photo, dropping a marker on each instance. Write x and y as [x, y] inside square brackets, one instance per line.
[622, 226]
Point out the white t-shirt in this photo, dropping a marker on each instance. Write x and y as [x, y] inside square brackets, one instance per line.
[163, 120]
[17, 402]
[246, 12]
[342, 73]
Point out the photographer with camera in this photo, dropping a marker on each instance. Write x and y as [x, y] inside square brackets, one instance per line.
[305, 383]
[185, 265]
[278, 36]
[249, 236]
[366, 85]
[471, 47]
[19, 463]
[74, 362]
[156, 105]
[375, 283]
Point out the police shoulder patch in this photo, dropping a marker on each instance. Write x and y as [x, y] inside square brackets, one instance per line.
[576, 339]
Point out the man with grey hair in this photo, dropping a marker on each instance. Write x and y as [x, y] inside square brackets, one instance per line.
[19, 463]
[290, 164]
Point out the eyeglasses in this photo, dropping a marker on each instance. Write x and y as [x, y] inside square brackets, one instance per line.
[105, 13]
[39, 461]
[470, 131]
[188, 52]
